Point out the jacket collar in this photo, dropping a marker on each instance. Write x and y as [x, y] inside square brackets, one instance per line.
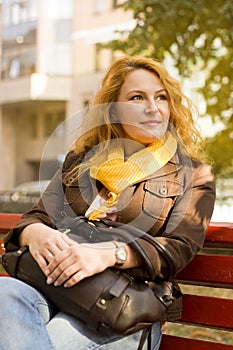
[172, 166]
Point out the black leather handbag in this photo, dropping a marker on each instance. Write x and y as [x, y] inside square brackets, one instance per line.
[113, 300]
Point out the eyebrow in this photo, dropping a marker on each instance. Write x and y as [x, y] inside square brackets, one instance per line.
[161, 90]
[142, 91]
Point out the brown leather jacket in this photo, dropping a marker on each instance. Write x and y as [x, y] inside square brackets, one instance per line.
[174, 204]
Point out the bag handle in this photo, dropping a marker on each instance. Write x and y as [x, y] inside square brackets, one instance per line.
[81, 226]
[138, 233]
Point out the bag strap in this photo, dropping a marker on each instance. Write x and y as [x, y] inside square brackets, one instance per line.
[146, 335]
[165, 253]
[83, 230]
[137, 233]
[81, 226]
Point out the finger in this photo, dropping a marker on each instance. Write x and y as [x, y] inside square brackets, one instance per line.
[58, 259]
[72, 274]
[71, 251]
[62, 242]
[48, 253]
[77, 277]
[54, 249]
[67, 240]
[49, 257]
[41, 261]
[55, 244]
[62, 239]
[63, 272]
[59, 264]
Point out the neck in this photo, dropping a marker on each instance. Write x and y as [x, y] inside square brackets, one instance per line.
[131, 146]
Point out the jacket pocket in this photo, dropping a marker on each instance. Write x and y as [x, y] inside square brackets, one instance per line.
[160, 197]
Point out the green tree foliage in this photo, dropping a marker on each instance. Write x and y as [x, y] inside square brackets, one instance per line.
[220, 149]
[198, 36]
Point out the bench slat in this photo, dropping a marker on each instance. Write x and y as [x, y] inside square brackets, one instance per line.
[219, 234]
[220, 231]
[213, 270]
[172, 342]
[199, 310]
[7, 221]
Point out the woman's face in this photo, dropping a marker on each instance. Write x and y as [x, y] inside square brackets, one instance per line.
[143, 110]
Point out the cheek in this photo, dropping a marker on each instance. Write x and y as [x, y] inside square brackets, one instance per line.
[166, 121]
[125, 118]
[165, 111]
[128, 113]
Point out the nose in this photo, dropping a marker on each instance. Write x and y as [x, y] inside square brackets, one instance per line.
[151, 108]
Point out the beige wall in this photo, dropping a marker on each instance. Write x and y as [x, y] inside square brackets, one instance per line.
[7, 147]
[24, 141]
[23, 98]
[90, 28]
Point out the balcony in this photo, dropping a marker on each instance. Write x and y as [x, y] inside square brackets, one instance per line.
[35, 87]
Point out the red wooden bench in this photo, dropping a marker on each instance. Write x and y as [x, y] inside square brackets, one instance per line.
[210, 268]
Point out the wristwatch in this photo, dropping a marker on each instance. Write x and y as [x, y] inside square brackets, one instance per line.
[120, 254]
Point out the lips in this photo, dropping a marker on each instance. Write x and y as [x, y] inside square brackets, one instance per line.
[151, 122]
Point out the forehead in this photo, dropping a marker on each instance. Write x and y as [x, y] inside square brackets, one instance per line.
[142, 79]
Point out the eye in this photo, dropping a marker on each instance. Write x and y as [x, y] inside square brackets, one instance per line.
[136, 98]
[161, 97]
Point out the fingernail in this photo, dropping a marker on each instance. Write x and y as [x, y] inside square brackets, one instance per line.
[49, 280]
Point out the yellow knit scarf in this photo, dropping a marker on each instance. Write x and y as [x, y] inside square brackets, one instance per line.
[116, 174]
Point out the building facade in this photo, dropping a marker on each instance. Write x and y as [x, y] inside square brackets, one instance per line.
[51, 65]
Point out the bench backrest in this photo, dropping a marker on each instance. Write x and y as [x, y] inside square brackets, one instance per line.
[213, 267]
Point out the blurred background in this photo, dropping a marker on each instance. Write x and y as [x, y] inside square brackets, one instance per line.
[55, 52]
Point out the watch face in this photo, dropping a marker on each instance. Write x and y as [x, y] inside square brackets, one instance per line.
[121, 255]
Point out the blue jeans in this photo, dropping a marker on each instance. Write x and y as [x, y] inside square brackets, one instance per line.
[29, 322]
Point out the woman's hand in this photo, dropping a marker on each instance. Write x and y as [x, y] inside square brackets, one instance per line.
[66, 262]
[43, 242]
[79, 261]
[63, 260]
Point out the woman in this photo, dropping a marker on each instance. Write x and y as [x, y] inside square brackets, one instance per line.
[138, 161]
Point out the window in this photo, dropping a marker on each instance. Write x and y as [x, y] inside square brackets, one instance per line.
[115, 4]
[18, 50]
[103, 57]
[17, 64]
[98, 6]
[54, 122]
[19, 11]
[33, 125]
[60, 8]
[63, 30]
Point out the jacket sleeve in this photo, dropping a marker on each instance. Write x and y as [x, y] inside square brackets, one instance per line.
[43, 212]
[185, 229]
[49, 208]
